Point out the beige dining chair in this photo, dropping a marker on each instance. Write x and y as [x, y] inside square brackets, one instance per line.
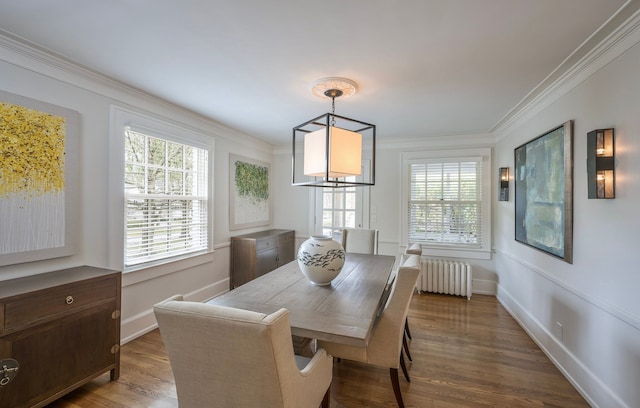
[384, 348]
[227, 357]
[412, 249]
[360, 240]
[407, 332]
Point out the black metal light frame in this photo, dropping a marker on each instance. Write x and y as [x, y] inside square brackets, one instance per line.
[368, 132]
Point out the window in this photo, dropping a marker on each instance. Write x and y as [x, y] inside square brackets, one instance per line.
[445, 202]
[342, 207]
[446, 207]
[338, 209]
[166, 197]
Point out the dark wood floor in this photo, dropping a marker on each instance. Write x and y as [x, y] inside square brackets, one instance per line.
[465, 354]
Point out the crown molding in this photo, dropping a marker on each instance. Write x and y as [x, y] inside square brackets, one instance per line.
[441, 141]
[612, 39]
[428, 142]
[42, 61]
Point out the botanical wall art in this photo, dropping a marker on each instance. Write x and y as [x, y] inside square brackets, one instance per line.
[249, 195]
[38, 179]
[544, 192]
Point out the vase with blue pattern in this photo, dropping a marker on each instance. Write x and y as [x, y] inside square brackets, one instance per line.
[321, 259]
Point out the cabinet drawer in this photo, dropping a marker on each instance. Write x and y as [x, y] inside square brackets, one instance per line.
[286, 238]
[266, 243]
[39, 306]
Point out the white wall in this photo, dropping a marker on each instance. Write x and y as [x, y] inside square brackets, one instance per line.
[30, 73]
[595, 299]
[293, 203]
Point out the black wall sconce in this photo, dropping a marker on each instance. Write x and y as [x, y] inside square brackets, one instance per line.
[601, 164]
[504, 184]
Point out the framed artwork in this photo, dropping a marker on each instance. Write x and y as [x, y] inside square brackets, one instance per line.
[544, 192]
[249, 193]
[38, 180]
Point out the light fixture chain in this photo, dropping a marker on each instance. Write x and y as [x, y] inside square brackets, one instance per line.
[333, 110]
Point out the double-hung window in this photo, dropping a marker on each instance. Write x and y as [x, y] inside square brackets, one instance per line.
[447, 203]
[166, 197]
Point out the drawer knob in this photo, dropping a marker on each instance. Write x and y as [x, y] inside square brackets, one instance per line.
[8, 370]
[69, 300]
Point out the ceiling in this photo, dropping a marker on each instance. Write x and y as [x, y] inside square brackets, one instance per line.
[424, 67]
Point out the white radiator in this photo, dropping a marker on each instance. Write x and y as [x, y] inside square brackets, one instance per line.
[443, 276]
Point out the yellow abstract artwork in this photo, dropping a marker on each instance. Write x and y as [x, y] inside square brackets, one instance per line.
[32, 179]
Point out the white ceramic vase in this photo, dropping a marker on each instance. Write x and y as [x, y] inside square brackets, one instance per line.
[321, 259]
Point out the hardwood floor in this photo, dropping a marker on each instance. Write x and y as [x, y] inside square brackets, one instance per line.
[465, 354]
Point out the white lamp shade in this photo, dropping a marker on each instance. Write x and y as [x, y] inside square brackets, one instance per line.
[345, 153]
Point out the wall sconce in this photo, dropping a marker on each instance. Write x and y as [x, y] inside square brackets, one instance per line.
[504, 184]
[601, 163]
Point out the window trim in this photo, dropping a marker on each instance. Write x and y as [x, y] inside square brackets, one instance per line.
[363, 198]
[443, 250]
[120, 119]
[145, 253]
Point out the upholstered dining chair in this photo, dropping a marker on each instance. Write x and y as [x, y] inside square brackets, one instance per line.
[406, 336]
[384, 348]
[412, 249]
[227, 357]
[360, 240]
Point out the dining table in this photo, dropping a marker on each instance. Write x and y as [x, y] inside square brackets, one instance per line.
[343, 312]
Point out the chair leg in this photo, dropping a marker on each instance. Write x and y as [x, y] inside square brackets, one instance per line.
[327, 398]
[406, 347]
[406, 329]
[404, 367]
[395, 383]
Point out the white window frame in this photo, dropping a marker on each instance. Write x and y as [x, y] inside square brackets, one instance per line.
[482, 251]
[362, 196]
[122, 119]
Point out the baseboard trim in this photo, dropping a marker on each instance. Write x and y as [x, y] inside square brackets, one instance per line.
[594, 391]
[144, 322]
[484, 287]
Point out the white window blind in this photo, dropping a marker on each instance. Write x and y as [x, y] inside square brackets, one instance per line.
[166, 197]
[445, 201]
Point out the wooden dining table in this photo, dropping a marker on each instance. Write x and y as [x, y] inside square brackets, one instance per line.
[342, 312]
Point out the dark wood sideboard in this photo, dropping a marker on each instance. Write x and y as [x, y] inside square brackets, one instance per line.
[255, 254]
[62, 328]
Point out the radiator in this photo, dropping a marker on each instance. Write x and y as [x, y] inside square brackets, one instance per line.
[443, 276]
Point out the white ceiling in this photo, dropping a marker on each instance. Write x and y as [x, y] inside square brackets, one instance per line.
[424, 67]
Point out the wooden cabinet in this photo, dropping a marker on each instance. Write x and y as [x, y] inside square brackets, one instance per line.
[62, 328]
[255, 254]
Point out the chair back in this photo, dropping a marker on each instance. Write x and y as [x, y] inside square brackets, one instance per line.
[413, 249]
[360, 241]
[386, 342]
[228, 357]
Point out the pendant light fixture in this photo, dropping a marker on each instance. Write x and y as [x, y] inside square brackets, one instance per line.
[333, 150]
